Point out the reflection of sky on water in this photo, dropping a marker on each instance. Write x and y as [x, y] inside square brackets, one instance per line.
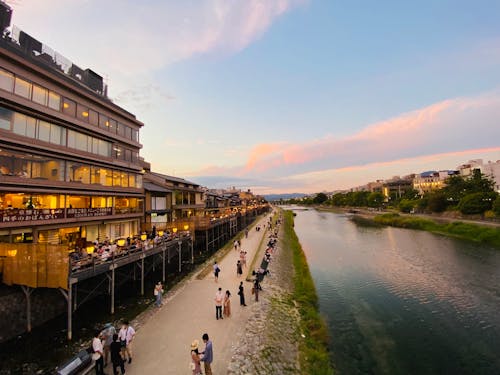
[383, 281]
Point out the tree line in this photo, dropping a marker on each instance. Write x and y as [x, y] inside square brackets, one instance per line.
[468, 195]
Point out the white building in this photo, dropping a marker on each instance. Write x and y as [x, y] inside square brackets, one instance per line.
[490, 169]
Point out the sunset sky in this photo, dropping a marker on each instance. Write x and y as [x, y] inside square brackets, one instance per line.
[291, 95]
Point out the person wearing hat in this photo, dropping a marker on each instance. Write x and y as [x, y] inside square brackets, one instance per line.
[195, 357]
[107, 338]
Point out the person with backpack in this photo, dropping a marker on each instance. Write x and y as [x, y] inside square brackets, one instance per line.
[216, 271]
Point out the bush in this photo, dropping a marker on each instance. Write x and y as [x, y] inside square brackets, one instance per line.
[476, 203]
[496, 206]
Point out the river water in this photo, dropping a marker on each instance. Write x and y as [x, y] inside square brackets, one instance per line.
[400, 301]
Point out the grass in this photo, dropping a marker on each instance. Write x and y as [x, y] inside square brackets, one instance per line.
[467, 231]
[313, 348]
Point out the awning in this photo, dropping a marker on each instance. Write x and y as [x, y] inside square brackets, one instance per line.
[149, 186]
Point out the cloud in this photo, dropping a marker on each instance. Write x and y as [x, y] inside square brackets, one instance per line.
[450, 125]
[143, 97]
[136, 37]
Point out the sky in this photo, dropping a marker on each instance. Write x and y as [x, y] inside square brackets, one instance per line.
[283, 96]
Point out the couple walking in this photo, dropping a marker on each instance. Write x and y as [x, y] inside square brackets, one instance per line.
[205, 356]
[222, 300]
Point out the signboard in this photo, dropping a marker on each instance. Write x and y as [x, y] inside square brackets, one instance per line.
[16, 215]
[88, 212]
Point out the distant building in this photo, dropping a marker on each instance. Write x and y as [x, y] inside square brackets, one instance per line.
[431, 180]
[490, 169]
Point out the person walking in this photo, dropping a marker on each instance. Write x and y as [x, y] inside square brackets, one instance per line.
[227, 304]
[239, 269]
[126, 335]
[241, 293]
[98, 355]
[216, 272]
[235, 245]
[195, 358]
[107, 338]
[158, 293]
[219, 299]
[116, 358]
[208, 355]
[256, 287]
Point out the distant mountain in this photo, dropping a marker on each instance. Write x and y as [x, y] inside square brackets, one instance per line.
[277, 197]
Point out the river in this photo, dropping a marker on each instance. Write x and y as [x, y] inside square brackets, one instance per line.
[400, 301]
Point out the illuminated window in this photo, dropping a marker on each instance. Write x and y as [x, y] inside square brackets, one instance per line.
[6, 81]
[40, 95]
[23, 88]
[54, 101]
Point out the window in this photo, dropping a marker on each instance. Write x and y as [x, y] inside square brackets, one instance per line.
[103, 121]
[128, 132]
[57, 135]
[121, 129]
[54, 101]
[6, 81]
[104, 148]
[112, 125]
[82, 113]
[116, 178]
[135, 135]
[40, 95]
[23, 88]
[19, 126]
[124, 179]
[69, 107]
[81, 142]
[97, 175]
[71, 139]
[93, 117]
[158, 203]
[43, 131]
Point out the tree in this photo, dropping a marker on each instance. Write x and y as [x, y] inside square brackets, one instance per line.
[496, 206]
[436, 201]
[320, 198]
[406, 205]
[476, 203]
[375, 199]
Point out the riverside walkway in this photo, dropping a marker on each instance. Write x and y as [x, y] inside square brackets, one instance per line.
[162, 343]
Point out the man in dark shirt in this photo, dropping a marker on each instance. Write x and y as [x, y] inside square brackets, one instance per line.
[116, 358]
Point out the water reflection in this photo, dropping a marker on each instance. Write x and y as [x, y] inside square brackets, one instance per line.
[403, 302]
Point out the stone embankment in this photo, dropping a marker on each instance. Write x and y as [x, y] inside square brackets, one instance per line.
[268, 344]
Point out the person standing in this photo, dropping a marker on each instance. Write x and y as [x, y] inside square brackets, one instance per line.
[219, 299]
[158, 292]
[126, 336]
[241, 294]
[227, 304]
[216, 271]
[239, 269]
[256, 287]
[116, 358]
[107, 336]
[98, 355]
[195, 357]
[208, 355]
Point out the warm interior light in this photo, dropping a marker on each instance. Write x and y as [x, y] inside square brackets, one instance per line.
[12, 253]
[144, 237]
[186, 227]
[174, 230]
[160, 233]
[107, 123]
[90, 249]
[121, 242]
[65, 105]
[85, 114]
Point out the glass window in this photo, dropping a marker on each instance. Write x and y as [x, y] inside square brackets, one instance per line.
[97, 175]
[116, 178]
[135, 156]
[6, 80]
[54, 101]
[138, 181]
[109, 177]
[128, 132]
[81, 142]
[40, 95]
[118, 152]
[103, 121]
[43, 131]
[57, 134]
[112, 125]
[77, 172]
[131, 180]
[47, 169]
[135, 135]
[104, 148]
[19, 126]
[82, 113]
[31, 127]
[128, 155]
[93, 117]
[23, 88]
[5, 118]
[71, 138]
[124, 179]
[121, 129]
[69, 107]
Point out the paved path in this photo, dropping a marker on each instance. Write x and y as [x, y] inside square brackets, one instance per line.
[162, 345]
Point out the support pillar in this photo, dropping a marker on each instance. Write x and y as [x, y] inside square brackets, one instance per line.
[27, 292]
[142, 275]
[192, 251]
[68, 296]
[163, 260]
[180, 256]
[113, 289]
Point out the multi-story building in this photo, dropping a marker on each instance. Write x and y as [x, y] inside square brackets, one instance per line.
[431, 180]
[490, 169]
[69, 157]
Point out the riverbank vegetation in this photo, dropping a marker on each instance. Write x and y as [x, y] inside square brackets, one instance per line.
[477, 233]
[313, 345]
[468, 197]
